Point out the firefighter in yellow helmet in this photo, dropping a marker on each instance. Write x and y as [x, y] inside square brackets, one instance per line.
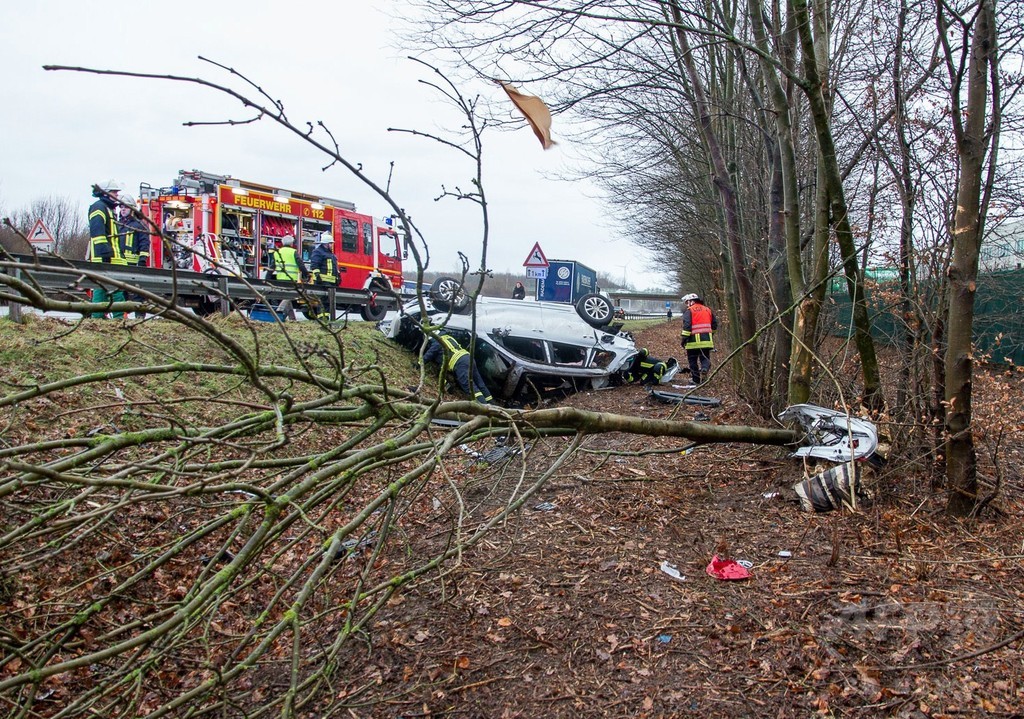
[447, 349]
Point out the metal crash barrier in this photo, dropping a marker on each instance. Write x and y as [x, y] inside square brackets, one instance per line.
[207, 292]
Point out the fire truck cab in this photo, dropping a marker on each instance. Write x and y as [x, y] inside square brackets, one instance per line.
[219, 224]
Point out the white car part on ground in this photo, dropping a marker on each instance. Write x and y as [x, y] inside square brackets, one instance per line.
[831, 435]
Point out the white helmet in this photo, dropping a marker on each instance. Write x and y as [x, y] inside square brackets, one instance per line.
[126, 202]
[288, 240]
[692, 296]
[325, 239]
[110, 186]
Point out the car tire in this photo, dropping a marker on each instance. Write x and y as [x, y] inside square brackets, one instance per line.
[372, 311]
[207, 305]
[307, 311]
[447, 294]
[595, 309]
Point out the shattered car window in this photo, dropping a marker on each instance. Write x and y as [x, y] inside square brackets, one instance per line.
[603, 358]
[492, 366]
[525, 347]
[568, 354]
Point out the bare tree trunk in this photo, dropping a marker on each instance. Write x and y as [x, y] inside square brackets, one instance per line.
[840, 219]
[781, 282]
[972, 141]
[909, 325]
[784, 223]
[936, 413]
[727, 195]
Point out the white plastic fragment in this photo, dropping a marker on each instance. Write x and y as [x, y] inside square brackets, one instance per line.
[671, 570]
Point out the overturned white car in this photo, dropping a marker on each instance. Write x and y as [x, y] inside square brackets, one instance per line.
[527, 349]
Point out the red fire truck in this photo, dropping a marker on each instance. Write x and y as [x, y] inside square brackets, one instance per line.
[223, 225]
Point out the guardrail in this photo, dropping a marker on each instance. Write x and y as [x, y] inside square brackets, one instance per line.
[207, 293]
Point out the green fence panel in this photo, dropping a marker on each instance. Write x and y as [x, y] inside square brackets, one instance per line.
[998, 315]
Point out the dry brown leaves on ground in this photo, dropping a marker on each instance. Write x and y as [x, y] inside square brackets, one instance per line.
[894, 610]
[567, 610]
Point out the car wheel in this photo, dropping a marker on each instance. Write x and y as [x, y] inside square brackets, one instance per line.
[372, 311]
[595, 309]
[207, 305]
[447, 294]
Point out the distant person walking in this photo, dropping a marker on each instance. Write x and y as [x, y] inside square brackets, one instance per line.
[519, 292]
[669, 313]
[699, 325]
[104, 240]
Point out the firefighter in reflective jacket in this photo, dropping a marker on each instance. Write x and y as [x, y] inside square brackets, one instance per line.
[134, 237]
[104, 242]
[323, 263]
[323, 266]
[286, 263]
[445, 347]
[699, 325]
[645, 369]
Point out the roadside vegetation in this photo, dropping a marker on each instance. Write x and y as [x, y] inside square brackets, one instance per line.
[207, 517]
[192, 541]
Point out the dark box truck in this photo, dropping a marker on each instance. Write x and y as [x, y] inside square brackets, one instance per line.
[567, 281]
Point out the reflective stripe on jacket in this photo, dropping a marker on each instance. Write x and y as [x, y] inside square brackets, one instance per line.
[699, 324]
[105, 244]
[135, 241]
[130, 255]
[324, 266]
[651, 370]
[455, 350]
[286, 264]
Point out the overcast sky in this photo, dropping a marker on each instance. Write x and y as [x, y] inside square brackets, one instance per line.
[338, 62]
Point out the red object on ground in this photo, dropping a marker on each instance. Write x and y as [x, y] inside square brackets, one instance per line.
[727, 569]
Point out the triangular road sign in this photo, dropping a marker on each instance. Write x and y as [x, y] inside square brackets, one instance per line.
[536, 257]
[40, 233]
